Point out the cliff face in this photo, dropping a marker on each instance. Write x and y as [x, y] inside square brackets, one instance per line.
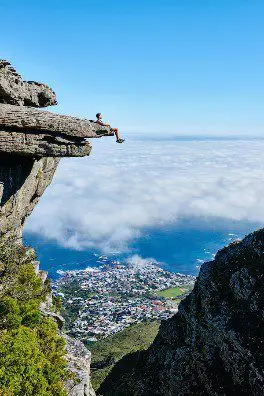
[23, 181]
[214, 345]
[32, 141]
[79, 363]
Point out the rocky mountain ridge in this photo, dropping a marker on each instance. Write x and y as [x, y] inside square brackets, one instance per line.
[32, 141]
[214, 345]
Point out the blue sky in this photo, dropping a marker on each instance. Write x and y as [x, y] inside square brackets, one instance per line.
[166, 66]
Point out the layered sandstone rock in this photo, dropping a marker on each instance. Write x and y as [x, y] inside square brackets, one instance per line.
[32, 132]
[15, 91]
[214, 345]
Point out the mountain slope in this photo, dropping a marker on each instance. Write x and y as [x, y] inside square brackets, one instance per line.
[214, 345]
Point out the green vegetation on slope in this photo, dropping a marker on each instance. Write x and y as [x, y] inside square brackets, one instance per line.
[107, 352]
[31, 353]
[173, 292]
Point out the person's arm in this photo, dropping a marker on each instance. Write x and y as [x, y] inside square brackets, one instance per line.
[102, 123]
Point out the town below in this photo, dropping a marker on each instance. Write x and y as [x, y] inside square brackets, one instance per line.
[99, 302]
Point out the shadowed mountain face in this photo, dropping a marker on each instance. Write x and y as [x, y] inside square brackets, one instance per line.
[214, 345]
[13, 174]
[23, 180]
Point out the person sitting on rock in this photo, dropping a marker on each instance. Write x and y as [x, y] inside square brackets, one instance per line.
[115, 130]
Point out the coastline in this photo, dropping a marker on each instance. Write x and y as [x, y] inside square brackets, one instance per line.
[169, 248]
[99, 302]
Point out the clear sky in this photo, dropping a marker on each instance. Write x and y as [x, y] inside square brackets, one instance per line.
[163, 66]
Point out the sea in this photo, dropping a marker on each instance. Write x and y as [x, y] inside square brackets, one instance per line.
[210, 188]
[174, 249]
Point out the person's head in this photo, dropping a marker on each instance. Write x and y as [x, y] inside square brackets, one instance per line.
[98, 116]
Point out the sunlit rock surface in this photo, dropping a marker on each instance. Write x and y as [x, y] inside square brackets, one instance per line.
[79, 361]
[15, 91]
[33, 132]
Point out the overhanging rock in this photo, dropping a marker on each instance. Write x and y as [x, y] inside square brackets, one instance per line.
[32, 141]
[33, 132]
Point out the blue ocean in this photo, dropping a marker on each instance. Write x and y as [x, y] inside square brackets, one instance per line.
[176, 249]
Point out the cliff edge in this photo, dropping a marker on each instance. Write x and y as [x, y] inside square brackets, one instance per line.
[32, 141]
[214, 345]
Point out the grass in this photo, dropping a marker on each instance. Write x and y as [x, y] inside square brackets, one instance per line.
[107, 352]
[172, 292]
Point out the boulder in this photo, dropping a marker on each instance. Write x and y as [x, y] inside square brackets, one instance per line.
[15, 91]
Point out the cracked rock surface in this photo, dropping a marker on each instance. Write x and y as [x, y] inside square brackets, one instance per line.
[15, 91]
[22, 182]
[79, 359]
[214, 345]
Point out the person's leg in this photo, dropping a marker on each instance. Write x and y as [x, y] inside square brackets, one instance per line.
[116, 132]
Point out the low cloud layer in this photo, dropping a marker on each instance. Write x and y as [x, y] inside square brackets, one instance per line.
[106, 200]
[137, 261]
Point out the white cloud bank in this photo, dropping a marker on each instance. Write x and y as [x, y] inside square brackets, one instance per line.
[105, 200]
[140, 262]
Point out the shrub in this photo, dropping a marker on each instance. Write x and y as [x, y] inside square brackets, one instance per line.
[9, 313]
[23, 365]
[32, 359]
[26, 285]
[57, 303]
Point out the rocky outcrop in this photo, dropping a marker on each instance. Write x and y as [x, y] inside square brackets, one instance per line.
[31, 143]
[79, 359]
[37, 133]
[15, 91]
[214, 344]
[28, 120]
